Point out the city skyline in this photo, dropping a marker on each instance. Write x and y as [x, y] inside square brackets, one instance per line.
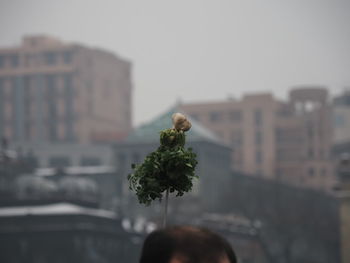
[222, 49]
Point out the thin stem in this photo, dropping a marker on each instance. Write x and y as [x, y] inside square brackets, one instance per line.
[166, 207]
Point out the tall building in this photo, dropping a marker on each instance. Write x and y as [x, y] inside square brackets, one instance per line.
[284, 140]
[52, 91]
[341, 118]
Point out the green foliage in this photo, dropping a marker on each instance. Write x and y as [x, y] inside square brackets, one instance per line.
[171, 138]
[171, 167]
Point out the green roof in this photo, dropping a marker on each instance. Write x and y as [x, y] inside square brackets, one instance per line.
[149, 132]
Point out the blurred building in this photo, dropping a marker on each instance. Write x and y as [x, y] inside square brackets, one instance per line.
[64, 215]
[52, 91]
[284, 140]
[64, 232]
[213, 166]
[296, 224]
[77, 173]
[343, 169]
[97, 186]
[341, 157]
[341, 118]
[58, 155]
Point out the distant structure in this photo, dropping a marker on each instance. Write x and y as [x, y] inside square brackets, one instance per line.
[88, 185]
[52, 91]
[288, 141]
[59, 155]
[343, 170]
[81, 234]
[341, 156]
[341, 118]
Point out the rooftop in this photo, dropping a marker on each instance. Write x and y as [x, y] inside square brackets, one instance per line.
[54, 209]
[76, 170]
[149, 132]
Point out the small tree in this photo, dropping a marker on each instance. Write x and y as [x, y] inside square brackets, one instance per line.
[168, 169]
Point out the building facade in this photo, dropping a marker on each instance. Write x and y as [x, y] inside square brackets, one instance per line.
[59, 155]
[285, 140]
[52, 91]
[341, 118]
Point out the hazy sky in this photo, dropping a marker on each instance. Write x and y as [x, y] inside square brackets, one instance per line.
[200, 50]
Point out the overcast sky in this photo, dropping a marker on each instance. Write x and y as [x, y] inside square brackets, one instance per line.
[192, 50]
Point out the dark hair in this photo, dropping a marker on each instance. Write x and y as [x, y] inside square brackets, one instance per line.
[194, 244]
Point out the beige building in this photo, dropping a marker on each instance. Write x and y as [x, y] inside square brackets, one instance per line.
[285, 140]
[341, 118]
[52, 91]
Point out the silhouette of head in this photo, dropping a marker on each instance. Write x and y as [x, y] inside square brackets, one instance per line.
[186, 244]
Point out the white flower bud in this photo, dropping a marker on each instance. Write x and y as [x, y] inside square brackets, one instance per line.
[180, 122]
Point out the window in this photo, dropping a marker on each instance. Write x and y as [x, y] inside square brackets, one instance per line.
[2, 61]
[310, 131]
[235, 116]
[27, 60]
[90, 101]
[14, 61]
[67, 57]
[59, 162]
[258, 157]
[310, 153]
[215, 116]
[50, 58]
[67, 82]
[321, 153]
[237, 138]
[27, 100]
[258, 117]
[17, 107]
[136, 159]
[52, 107]
[69, 114]
[90, 161]
[311, 172]
[283, 113]
[121, 160]
[299, 107]
[258, 137]
[339, 120]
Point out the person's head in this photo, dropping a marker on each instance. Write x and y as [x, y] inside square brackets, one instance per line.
[186, 244]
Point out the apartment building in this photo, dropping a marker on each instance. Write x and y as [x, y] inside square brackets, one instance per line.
[341, 118]
[283, 140]
[51, 91]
